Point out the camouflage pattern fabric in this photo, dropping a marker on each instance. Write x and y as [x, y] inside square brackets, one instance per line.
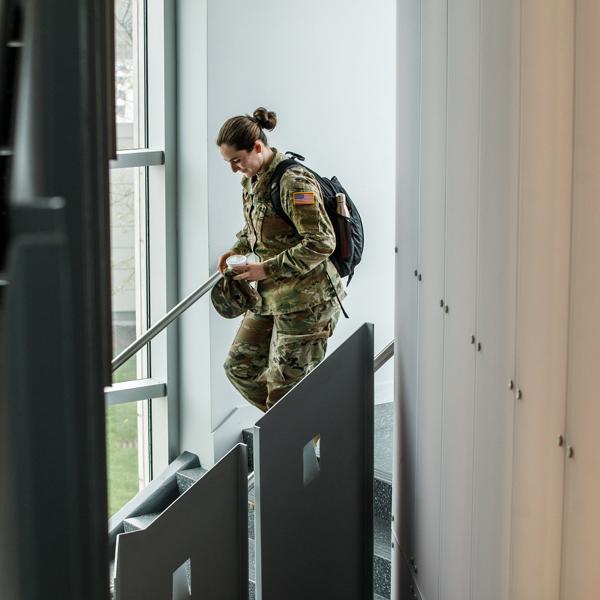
[270, 354]
[295, 259]
[233, 298]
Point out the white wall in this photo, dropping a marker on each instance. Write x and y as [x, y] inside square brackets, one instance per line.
[328, 70]
[192, 209]
[495, 488]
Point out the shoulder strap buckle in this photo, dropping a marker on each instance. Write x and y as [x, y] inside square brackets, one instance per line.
[294, 155]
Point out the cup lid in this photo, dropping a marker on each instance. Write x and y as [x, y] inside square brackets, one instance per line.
[236, 259]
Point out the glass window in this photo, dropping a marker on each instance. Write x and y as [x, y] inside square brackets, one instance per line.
[128, 265]
[127, 424]
[130, 74]
[127, 452]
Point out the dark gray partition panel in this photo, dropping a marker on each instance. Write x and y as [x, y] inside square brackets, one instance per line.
[206, 525]
[314, 517]
[54, 123]
[36, 482]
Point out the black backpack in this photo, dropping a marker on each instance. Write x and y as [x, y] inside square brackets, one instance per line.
[345, 265]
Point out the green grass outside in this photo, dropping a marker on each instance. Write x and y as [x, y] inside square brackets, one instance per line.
[121, 445]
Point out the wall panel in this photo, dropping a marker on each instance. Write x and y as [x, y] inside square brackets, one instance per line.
[460, 294]
[497, 229]
[406, 291]
[431, 266]
[581, 577]
[508, 241]
[543, 284]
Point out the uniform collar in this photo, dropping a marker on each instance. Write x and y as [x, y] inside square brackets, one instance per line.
[264, 177]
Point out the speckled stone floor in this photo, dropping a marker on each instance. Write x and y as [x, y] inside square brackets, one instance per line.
[383, 421]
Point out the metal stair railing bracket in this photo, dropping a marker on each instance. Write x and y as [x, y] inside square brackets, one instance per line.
[383, 356]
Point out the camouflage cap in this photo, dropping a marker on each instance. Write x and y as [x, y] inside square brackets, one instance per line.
[233, 298]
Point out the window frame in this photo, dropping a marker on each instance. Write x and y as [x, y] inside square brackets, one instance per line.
[158, 158]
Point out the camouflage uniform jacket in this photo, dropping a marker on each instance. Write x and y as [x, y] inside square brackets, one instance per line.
[299, 275]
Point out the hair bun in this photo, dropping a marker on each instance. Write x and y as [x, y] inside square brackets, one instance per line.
[266, 119]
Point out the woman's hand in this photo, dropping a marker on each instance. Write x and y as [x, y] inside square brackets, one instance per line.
[222, 265]
[250, 272]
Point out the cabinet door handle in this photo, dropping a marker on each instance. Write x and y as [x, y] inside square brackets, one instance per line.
[560, 440]
[570, 451]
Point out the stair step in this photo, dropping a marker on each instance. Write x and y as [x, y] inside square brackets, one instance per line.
[382, 538]
[382, 494]
[155, 497]
[141, 522]
[187, 478]
[382, 576]
[382, 498]
[252, 560]
[382, 557]
[383, 418]
[251, 505]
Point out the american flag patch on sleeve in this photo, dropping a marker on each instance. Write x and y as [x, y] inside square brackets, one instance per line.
[303, 198]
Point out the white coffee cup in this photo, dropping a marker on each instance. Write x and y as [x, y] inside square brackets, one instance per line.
[235, 260]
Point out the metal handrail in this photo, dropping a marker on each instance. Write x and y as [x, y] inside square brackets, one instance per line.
[180, 308]
[175, 312]
[383, 356]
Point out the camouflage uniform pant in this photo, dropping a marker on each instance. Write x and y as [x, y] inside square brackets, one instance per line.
[270, 354]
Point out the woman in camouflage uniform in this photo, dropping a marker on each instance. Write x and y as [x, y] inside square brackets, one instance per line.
[284, 338]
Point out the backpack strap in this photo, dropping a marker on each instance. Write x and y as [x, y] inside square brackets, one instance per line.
[337, 297]
[280, 169]
[294, 155]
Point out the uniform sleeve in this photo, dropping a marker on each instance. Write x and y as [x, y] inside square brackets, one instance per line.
[302, 202]
[242, 245]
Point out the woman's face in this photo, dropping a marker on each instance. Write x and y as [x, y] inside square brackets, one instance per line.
[247, 162]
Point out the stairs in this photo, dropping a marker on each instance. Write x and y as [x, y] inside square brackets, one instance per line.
[186, 470]
[382, 502]
[137, 523]
[184, 480]
[156, 496]
[251, 547]
[382, 499]
[142, 510]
